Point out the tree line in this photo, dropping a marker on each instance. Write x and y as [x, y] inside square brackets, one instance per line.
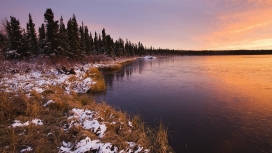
[71, 40]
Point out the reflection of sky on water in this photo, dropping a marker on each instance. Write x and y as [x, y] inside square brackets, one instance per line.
[212, 103]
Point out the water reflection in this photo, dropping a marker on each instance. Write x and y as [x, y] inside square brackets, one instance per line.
[211, 103]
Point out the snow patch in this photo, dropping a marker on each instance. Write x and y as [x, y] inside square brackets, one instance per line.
[41, 80]
[149, 57]
[18, 123]
[130, 123]
[85, 119]
[49, 102]
[87, 144]
[26, 150]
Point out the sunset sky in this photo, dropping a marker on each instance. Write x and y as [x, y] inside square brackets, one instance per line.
[173, 24]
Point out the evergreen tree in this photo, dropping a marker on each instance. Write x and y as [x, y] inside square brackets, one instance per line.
[26, 44]
[91, 43]
[121, 47]
[32, 37]
[100, 51]
[87, 40]
[14, 43]
[110, 46]
[116, 48]
[63, 37]
[52, 40]
[95, 43]
[103, 43]
[2, 44]
[42, 40]
[72, 28]
[82, 39]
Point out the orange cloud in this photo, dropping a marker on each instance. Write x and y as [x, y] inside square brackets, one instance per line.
[242, 28]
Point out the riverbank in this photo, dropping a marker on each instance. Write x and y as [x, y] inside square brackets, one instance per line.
[46, 105]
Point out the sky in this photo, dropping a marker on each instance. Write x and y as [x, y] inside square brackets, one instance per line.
[172, 24]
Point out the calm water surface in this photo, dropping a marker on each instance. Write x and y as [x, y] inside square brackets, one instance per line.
[209, 103]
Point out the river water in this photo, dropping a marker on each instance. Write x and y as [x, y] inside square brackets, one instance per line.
[209, 103]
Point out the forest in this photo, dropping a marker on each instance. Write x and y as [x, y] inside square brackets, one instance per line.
[71, 40]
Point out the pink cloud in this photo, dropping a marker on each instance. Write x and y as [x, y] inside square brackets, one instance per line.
[246, 23]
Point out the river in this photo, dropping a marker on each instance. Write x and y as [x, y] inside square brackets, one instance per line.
[209, 103]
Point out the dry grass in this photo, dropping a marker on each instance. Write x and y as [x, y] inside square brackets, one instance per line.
[49, 136]
[115, 67]
[160, 142]
[97, 77]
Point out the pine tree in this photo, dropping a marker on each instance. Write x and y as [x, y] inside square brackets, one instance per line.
[32, 37]
[3, 42]
[72, 28]
[25, 45]
[100, 51]
[52, 40]
[14, 43]
[91, 43]
[42, 40]
[110, 45]
[82, 39]
[63, 39]
[116, 48]
[103, 43]
[87, 40]
[95, 43]
[120, 47]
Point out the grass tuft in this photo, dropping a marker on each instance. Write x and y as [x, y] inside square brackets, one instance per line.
[97, 77]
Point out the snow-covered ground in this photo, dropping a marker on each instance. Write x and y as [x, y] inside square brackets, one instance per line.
[40, 80]
[149, 57]
[86, 119]
[34, 121]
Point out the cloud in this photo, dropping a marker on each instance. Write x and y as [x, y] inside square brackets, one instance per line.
[242, 25]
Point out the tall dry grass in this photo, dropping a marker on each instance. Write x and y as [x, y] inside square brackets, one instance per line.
[49, 136]
[97, 77]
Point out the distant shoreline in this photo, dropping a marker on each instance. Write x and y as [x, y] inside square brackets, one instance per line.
[225, 52]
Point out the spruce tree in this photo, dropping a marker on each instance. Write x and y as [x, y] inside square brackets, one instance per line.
[52, 40]
[63, 39]
[2, 44]
[103, 43]
[91, 43]
[116, 48]
[110, 45]
[25, 45]
[87, 40]
[14, 43]
[95, 43]
[42, 40]
[72, 28]
[32, 37]
[120, 47]
[82, 39]
[100, 51]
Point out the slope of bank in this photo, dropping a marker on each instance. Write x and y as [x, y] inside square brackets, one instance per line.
[48, 107]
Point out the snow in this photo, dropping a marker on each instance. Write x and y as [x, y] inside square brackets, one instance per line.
[40, 81]
[87, 144]
[18, 123]
[149, 57]
[130, 123]
[49, 102]
[26, 150]
[85, 119]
